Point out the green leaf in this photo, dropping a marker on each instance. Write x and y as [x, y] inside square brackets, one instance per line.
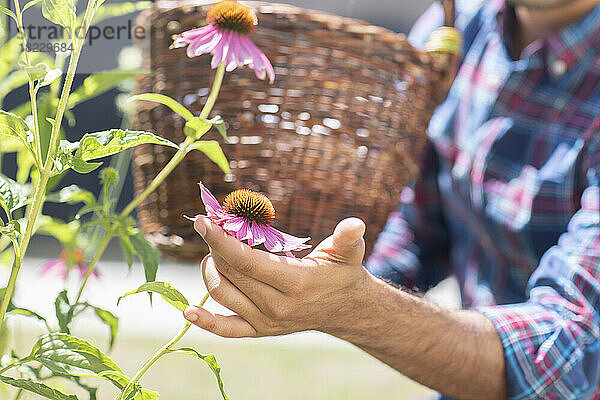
[8, 12]
[220, 125]
[106, 143]
[196, 127]
[13, 195]
[61, 12]
[14, 127]
[213, 151]
[63, 232]
[68, 355]
[51, 75]
[77, 380]
[168, 292]
[31, 4]
[64, 311]
[121, 381]
[72, 194]
[109, 319]
[167, 101]
[148, 254]
[127, 249]
[25, 312]
[37, 388]
[116, 10]
[212, 363]
[41, 72]
[83, 167]
[13, 81]
[34, 72]
[99, 83]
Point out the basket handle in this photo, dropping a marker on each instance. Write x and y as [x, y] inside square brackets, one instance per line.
[449, 12]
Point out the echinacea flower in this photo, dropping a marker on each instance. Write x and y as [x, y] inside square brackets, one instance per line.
[74, 259]
[226, 38]
[247, 215]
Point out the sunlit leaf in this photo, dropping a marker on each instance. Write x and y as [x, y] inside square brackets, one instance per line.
[68, 355]
[127, 249]
[110, 320]
[72, 194]
[64, 311]
[37, 388]
[106, 143]
[220, 125]
[213, 151]
[26, 313]
[196, 127]
[168, 292]
[15, 127]
[52, 74]
[167, 101]
[61, 12]
[62, 231]
[99, 83]
[8, 12]
[115, 10]
[31, 4]
[13, 81]
[13, 195]
[208, 359]
[121, 381]
[42, 73]
[148, 254]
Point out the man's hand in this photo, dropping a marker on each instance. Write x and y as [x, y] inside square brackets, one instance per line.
[274, 295]
[458, 353]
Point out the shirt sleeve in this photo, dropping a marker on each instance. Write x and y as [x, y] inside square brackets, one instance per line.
[551, 342]
[413, 249]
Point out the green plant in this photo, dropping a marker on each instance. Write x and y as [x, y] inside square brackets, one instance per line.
[34, 131]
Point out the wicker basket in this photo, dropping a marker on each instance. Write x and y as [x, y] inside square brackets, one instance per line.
[338, 134]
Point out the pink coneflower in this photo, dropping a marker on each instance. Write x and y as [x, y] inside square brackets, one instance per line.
[74, 259]
[248, 215]
[226, 38]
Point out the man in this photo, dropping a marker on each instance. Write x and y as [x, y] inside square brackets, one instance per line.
[508, 201]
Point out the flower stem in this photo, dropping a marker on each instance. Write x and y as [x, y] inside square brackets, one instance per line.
[214, 93]
[166, 171]
[162, 351]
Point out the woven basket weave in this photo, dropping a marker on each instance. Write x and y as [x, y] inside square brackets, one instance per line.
[338, 134]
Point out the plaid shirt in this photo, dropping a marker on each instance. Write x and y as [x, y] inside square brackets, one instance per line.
[509, 199]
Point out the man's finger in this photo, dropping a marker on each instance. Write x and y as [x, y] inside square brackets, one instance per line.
[261, 294]
[263, 266]
[230, 326]
[346, 245]
[226, 293]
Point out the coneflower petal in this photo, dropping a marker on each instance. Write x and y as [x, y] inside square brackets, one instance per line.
[258, 233]
[213, 208]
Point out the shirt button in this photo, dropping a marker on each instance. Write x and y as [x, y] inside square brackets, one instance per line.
[559, 67]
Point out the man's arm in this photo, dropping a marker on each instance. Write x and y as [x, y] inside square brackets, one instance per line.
[458, 353]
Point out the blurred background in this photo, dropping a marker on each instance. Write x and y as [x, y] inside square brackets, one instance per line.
[301, 366]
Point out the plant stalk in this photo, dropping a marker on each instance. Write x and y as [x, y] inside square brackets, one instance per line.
[32, 91]
[162, 351]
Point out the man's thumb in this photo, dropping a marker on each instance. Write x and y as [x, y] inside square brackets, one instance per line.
[348, 242]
